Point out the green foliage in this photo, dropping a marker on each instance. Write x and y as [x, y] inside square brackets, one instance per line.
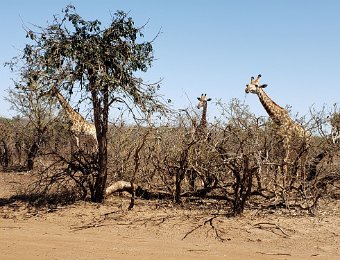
[75, 53]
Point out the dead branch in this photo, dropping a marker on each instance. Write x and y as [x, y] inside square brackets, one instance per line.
[192, 231]
[262, 253]
[212, 227]
[119, 186]
[137, 164]
[270, 226]
[95, 225]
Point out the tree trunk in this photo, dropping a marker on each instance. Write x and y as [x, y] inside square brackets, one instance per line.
[101, 114]
[32, 153]
[100, 182]
[34, 149]
[178, 185]
[5, 155]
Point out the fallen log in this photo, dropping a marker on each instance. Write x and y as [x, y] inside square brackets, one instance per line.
[119, 186]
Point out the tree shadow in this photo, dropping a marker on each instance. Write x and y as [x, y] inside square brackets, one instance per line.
[41, 200]
[14, 168]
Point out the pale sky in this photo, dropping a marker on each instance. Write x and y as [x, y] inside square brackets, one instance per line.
[212, 46]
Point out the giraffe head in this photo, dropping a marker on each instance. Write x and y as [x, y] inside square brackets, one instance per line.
[254, 85]
[202, 101]
[48, 93]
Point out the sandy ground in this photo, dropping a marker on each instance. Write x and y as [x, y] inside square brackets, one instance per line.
[154, 230]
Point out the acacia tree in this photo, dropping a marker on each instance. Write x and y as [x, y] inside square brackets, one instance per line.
[76, 55]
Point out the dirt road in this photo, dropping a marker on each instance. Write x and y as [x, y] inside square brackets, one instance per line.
[155, 231]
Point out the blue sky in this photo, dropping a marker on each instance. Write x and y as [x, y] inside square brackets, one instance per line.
[213, 46]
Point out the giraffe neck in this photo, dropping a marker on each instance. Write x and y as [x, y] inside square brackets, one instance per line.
[68, 109]
[276, 113]
[203, 122]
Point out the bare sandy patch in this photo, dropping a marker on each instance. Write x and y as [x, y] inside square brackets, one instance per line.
[158, 230]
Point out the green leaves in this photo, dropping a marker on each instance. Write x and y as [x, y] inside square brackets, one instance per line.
[76, 53]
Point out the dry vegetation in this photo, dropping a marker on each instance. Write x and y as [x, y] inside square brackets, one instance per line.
[183, 186]
[237, 164]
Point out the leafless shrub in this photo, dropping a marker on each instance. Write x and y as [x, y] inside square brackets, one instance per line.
[15, 138]
[239, 161]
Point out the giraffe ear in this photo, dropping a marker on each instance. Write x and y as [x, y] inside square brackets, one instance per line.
[208, 99]
[263, 85]
[199, 98]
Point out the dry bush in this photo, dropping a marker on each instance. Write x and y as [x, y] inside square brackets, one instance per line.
[154, 157]
[239, 161]
[15, 139]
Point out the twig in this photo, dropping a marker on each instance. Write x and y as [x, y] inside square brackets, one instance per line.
[87, 226]
[210, 221]
[262, 253]
[10, 227]
[191, 231]
[271, 225]
[109, 213]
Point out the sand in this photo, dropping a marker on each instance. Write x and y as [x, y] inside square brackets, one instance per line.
[159, 230]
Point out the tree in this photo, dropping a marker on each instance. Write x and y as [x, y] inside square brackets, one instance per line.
[75, 55]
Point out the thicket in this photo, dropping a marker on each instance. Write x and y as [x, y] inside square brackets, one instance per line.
[238, 163]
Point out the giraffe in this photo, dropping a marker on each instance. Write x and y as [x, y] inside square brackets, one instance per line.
[202, 127]
[78, 125]
[200, 134]
[288, 130]
[335, 132]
